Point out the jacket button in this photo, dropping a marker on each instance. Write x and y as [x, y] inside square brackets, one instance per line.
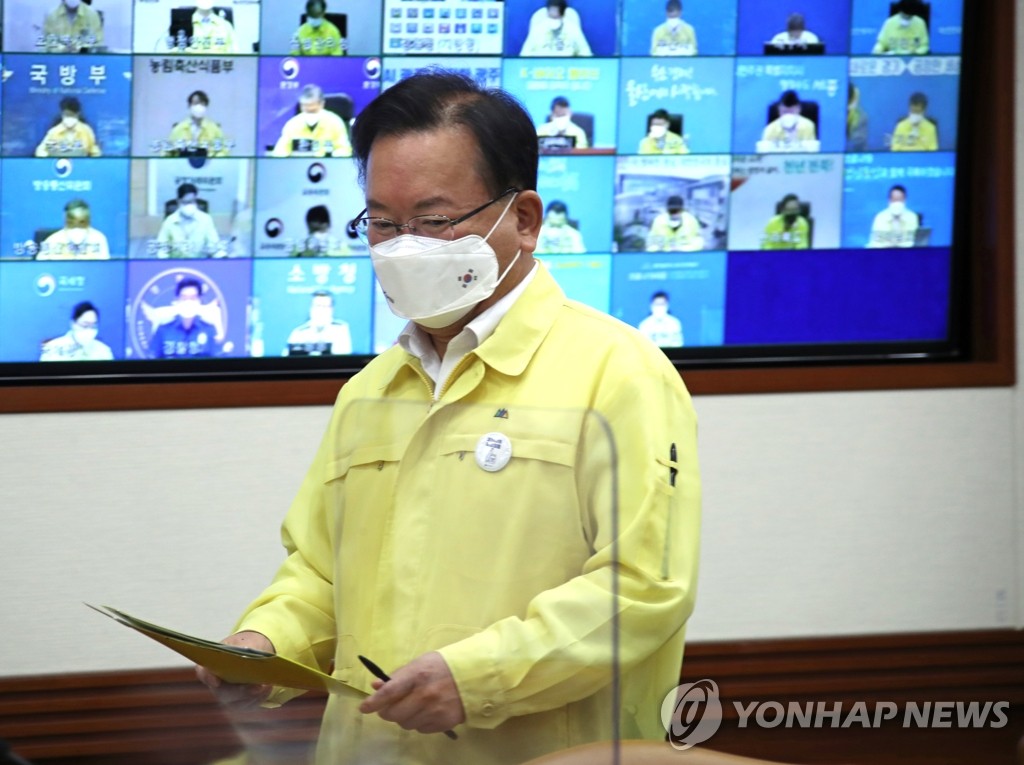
[487, 709]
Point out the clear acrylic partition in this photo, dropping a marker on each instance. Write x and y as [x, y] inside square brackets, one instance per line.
[488, 533]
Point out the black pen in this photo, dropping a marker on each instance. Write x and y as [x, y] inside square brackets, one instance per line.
[380, 674]
[672, 469]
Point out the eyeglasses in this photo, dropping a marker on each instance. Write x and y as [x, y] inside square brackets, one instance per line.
[373, 230]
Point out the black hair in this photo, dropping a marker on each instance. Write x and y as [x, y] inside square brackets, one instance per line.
[74, 204]
[790, 98]
[558, 206]
[789, 198]
[311, 3]
[919, 99]
[435, 98]
[899, 187]
[318, 214]
[559, 101]
[322, 293]
[674, 202]
[796, 21]
[560, 4]
[659, 294]
[188, 281]
[199, 94]
[71, 104]
[674, 5]
[660, 114]
[81, 308]
[187, 188]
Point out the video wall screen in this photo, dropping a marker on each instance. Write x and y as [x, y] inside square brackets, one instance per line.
[731, 177]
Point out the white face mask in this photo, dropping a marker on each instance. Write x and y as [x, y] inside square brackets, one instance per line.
[315, 23]
[198, 111]
[554, 24]
[321, 316]
[659, 309]
[658, 131]
[673, 22]
[188, 309]
[189, 210]
[561, 122]
[915, 118]
[897, 208]
[904, 21]
[71, 5]
[788, 121]
[204, 5]
[69, 122]
[435, 282]
[84, 336]
[311, 118]
[77, 235]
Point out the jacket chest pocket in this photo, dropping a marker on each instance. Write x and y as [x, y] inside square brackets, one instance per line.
[361, 485]
[520, 521]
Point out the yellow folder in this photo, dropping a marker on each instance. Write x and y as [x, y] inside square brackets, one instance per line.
[234, 664]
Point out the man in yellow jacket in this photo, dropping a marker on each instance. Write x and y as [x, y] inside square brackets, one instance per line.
[905, 33]
[315, 131]
[71, 136]
[197, 133]
[915, 132]
[504, 511]
[675, 230]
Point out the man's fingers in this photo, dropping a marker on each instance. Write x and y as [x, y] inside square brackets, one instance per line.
[387, 694]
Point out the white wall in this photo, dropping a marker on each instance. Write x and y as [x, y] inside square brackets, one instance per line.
[825, 514]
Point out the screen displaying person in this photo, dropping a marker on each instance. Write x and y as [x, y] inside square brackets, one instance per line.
[560, 124]
[322, 335]
[197, 134]
[80, 342]
[675, 230]
[188, 232]
[71, 135]
[211, 32]
[789, 230]
[661, 140]
[916, 132]
[78, 240]
[555, 30]
[317, 36]
[790, 131]
[674, 37]
[796, 35]
[904, 33]
[856, 121]
[187, 335]
[315, 131]
[661, 327]
[72, 27]
[319, 242]
[896, 225]
[557, 234]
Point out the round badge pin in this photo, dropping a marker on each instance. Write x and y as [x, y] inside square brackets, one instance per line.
[493, 451]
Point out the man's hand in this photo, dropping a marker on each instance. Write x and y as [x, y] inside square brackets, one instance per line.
[238, 695]
[420, 696]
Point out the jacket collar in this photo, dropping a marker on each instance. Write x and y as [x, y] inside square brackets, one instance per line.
[514, 341]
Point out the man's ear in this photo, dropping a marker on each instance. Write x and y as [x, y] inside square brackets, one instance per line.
[529, 215]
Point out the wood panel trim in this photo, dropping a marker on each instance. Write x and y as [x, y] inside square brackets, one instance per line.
[148, 717]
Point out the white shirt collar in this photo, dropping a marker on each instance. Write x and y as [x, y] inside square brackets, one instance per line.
[417, 342]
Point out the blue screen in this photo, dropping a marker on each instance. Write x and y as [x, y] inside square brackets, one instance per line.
[720, 174]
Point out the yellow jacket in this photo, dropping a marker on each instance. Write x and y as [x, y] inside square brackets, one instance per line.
[910, 137]
[328, 139]
[399, 544]
[209, 137]
[79, 141]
